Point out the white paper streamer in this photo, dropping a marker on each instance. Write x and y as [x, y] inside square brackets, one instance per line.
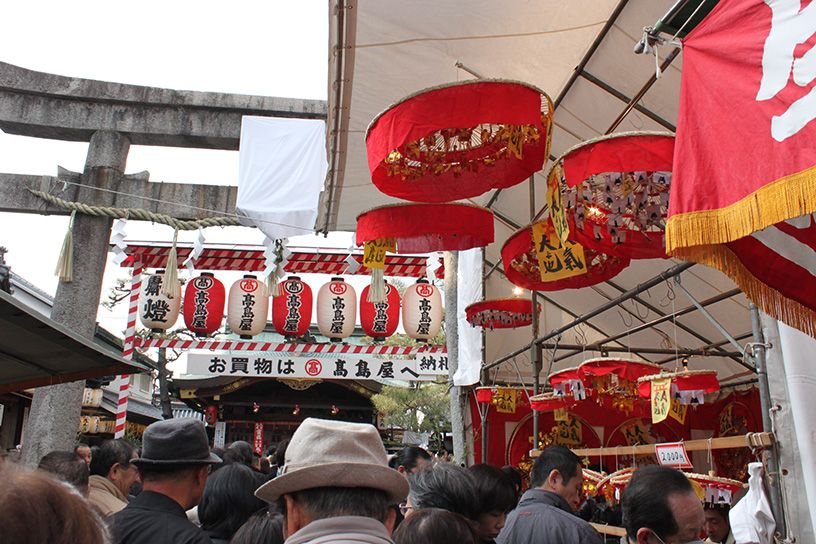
[118, 241]
[432, 265]
[352, 265]
[198, 249]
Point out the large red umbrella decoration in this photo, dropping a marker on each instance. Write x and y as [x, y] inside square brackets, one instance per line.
[568, 382]
[613, 380]
[522, 266]
[615, 192]
[550, 402]
[459, 140]
[504, 313]
[687, 386]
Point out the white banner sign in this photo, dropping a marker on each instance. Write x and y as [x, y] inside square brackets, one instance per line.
[220, 437]
[422, 367]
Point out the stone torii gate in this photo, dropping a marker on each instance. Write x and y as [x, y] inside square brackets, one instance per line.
[112, 117]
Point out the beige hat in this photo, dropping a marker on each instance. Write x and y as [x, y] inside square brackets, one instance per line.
[327, 453]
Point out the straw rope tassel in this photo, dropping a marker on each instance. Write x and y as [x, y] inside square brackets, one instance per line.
[376, 292]
[170, 285]
[65, 263]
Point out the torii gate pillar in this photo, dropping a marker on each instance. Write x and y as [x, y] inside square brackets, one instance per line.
[55, 410]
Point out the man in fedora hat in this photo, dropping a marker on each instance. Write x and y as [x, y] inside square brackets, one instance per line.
[175, 462]
[336, 486]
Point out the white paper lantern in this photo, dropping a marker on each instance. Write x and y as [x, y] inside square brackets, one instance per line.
[422, 311]
[157, 311]
[247, 307]
[336, 309]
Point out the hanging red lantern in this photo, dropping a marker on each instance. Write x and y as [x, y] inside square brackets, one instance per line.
[157, 311]
[615, 191]
[292, 308]
[459, 140]
[211, 415]
[336, 309]
[425, 228]
[522, 265]
[484, 395]
[422, 311]
[505, 313]
[204, 304]
[379, 320]
[247, 307]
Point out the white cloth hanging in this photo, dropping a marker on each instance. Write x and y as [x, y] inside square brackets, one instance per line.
[469, 290]
[281, 170]
[751, 519]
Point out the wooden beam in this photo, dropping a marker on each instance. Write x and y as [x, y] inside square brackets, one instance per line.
[750, 440]
[609, 529]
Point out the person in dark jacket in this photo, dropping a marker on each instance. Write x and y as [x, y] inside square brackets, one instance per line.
[546, 510]
[174, 466]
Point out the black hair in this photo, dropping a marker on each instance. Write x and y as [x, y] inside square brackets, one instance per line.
[262, 527]
[109, 453]
[554, 458]
[646, 500]
[494, 489]
[515, 476]
[409, 456]
[330, 502]
[244, 451]
[280, 453]
[721, 509]
[435, 526]
[445, 486]
[68, 467]
[79, 445]
[229, 499]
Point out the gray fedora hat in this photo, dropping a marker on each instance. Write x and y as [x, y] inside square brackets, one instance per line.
[176, 442]
[328, 453]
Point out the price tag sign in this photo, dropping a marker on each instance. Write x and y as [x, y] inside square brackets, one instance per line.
[672, 454]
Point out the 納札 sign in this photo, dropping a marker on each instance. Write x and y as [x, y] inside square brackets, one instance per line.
[422, 367]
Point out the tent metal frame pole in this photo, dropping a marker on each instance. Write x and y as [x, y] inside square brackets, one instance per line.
[759, 346]
[535, 351]
[656, 280]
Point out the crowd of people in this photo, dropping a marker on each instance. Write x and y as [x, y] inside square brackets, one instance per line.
[333, 482]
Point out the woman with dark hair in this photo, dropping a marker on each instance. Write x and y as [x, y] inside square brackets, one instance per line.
[496, 495]
[229, 500]
[446, 486]
[435, 526]
[412, 459]
[263, 527]
[37, 508]
[516, 477]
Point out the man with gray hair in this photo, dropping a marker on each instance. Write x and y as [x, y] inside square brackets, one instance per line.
[336, 486]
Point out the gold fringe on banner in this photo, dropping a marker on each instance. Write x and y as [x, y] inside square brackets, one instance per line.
[769, 300]
[780, 200]
[65, 263]
[170, 285]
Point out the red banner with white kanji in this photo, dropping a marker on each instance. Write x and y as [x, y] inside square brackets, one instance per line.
[745, 153]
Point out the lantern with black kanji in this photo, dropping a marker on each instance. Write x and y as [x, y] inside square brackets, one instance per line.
[247, 307]
[292, 308]
[204, 304]
[336, 309]
[157, 311]
[422, 311]
[380, 319]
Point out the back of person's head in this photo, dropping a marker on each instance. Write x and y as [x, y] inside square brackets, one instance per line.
[109, 453]
[244, 451]
[554, 458]
[496, 492]
[264, 467]
[262, 527]
[68, 467]
[646, 500]
[280, 452]
[435, 526]
[37, 508]
[515, 476]
[331, 502]
[445, 486]
[412, 458]
[229, 499]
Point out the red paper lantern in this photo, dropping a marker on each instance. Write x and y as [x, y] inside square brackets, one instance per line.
[292, 308]
[425, 228]
[616, 192]
[380, 319]
[422, 311]
[204, 304]
[157, 311]
[484, 395]
[503, 313]
[459, 140]
[521, 265]
[336, 309]
[247, 307]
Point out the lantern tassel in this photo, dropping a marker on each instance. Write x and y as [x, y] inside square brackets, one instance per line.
[170, 285]
[376, 293]
[65, 263]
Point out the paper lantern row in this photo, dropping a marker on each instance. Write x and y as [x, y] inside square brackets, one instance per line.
[248, 305]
